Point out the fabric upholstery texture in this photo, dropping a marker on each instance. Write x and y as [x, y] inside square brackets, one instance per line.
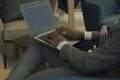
[12, 9]
[14, 27]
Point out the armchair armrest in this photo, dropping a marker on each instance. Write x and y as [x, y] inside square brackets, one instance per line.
[1, 31]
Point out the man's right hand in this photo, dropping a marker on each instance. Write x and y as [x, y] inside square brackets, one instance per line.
[70, 33]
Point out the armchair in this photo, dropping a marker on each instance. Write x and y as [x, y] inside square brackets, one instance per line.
[12, 26]
[96, 12]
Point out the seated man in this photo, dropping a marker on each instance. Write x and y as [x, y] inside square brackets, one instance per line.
[67, 60]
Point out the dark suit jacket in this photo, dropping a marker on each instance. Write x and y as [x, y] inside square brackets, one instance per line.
[118, 2]
[105, 58]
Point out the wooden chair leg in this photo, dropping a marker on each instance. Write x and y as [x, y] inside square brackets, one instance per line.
[5, 61]
[20, 50]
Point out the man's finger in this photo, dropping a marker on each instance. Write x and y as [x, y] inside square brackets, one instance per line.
[63, 32]
[58, 31]
[48, 40]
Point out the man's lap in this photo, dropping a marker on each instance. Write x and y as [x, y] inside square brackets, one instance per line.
[32, 58]
[57, 71]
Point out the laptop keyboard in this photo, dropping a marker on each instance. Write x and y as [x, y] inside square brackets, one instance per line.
[45, 36]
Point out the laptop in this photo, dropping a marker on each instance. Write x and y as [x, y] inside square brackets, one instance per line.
[39, 19]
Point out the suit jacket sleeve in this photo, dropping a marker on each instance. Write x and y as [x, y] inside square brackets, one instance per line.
[102, 58]
[95, 35]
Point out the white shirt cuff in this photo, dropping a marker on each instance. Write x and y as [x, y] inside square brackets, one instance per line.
[61, 44]
[87, 35]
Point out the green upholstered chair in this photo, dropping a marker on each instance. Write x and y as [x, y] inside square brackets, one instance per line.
[8, 32]
[12, 26]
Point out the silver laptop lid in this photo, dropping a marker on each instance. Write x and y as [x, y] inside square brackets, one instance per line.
[38, 16]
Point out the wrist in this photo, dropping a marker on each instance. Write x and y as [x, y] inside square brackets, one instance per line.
[93, 35]
[87, 35]
[61, 44]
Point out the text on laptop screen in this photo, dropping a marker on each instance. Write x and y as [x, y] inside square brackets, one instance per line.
[39, 17]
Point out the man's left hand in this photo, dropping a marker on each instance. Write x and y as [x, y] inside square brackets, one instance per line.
[55, 39]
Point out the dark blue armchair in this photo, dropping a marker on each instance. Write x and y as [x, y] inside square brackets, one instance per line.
[96, 12]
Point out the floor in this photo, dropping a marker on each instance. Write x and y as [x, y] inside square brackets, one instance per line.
[3, 72]
[11, 58]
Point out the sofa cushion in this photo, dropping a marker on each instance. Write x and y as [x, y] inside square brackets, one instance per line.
[14, 29]
[12, 9]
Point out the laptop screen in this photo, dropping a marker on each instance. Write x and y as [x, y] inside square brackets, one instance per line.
[39, 18]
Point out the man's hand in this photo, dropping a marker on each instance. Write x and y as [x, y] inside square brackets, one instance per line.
[55, 39]
[70, 33]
